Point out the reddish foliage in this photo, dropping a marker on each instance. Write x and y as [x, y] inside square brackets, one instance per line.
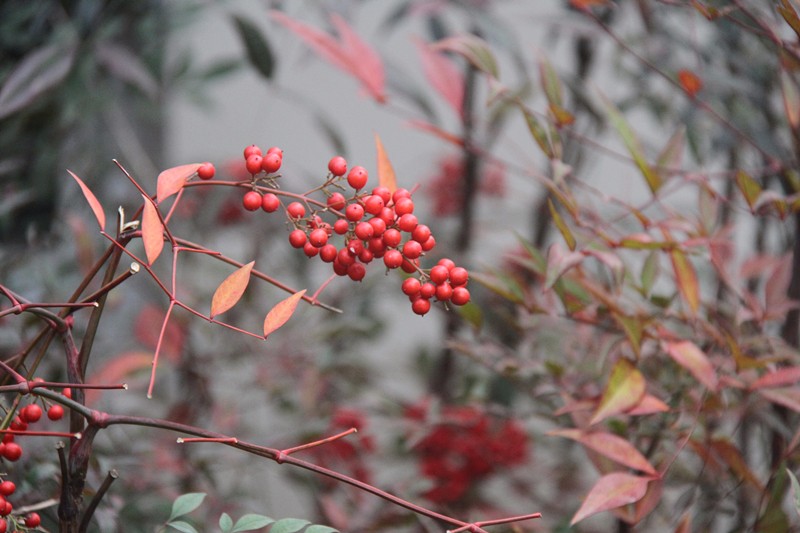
[446, 186]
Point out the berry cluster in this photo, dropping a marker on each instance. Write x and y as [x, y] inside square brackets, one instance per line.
[464, 447]
[380, 224]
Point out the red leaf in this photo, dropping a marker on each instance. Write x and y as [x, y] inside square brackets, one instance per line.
[609, 445]
[692, 358]
[172, 180]
[386, 175]
[612, 491]
[689, 82]
[350, 53]
[443, 76]
[152, 231]
[230, 290]
[281, 313]
[779, 378]
[624, 390]
[97, 209]
[647, 406]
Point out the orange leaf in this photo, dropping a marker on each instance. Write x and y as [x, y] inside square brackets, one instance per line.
[690, 82]
[281, 313]
[648, 406]
[172, 180]
[386, 176]
[686, 278]
[624, 390]
[779, 378]
[612, 491]
[230, 290]
[152, 231]
[692, 358]
[609, 445]
[733, 457]
[97, 209]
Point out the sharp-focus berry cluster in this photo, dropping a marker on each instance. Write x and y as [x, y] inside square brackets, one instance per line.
[351, 228]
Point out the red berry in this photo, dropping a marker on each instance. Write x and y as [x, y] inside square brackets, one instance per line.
[354, 212]
[337, 165]
[251, 200]
[7, 508]
[318, 238]
[3, 526]
[339, 269]
[444, 292]
[33, 520]
[421, 306]
[412, 249]
[460, 296]
[55, 412]
[354, 246]
[410, 286]
[18, 424]
[271, 162]
[439, 274]
[378, 226]
[393, 259]
[373, 204]
[404, 206]
[356, 271]
[458, 276]
[67, 392]
[400, 193]
[336, 201]
[428, 290]
[275, 150]
[366, 256]
[252, 150]
[253, 164]
[297, 238]
[449, 263]
[345, 258]
[421, 233]
[429, 245]
[296, 210]
[206, 171]
[341, 226]
[392, 238]
[32, 413]
[270, 203]
[12, 451]
[376, 246]
[387, 215]
[310, 250]
[407, 222]
[364, 230]
[383, 192]
[328, 253]
[7, 488]
[357, 177]
[409, 266]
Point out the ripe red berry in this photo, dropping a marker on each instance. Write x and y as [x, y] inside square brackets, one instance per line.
[383, 192]
[356, 271]
[357, 178]
[421, 233]
[296, 210]
[275, 150]
[421, 306]
[31, 413]
[338, 268]
[429, 244]
[67, 392]
[55, 412]
[33, 520]
[376, 246]
[336, 201]
[251, 200]
[253, 164]
[373, 204]
[460, 296]
[407, 222]
[341, 226]
[458, 276]
[400, 193]
[378, 226]
[364, 230]
[366, 256]
[18, 424]
[392, 259]
[439, 274]
[345, 257]
[428, 290]
[412, 249]
[7, 508]
[7, 488]
[252, 150]
[354, 246]
[271, 163]
[404, 206]
[444, 292]
[449, 263]
[318, 238]
[354, 212]
[310, 250]
[270, 202]
[12, 451]
[409, 266]
[206, 171]
[337, 165]
[392, 237]
[328, 253]
[3, 526]
[411, 286]
[297, 238]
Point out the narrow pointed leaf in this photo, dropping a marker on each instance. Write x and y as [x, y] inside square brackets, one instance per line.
[289, 525]
[551, 85]
[256, 46]
[443, 76]
[791, 100]
[692, 358]
[172, 180]
[231, 290]
[569, 238]
[386, 175]
[686, 278]
[651, 176]
[249, 522]
[625, 389]
[474, 49]
[749, 188]
[611, 491]
[152, 231]
[735, 461]
[789, 14]
[538, 132]
[281, 313]
[788, 397]
[779, 378]
[97, 209]
[559, 261]
[186, 503]
[609, 445]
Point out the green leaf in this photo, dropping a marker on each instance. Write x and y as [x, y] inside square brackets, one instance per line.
[651, 176]
[538, 132]
[256, 46]
[626, 387]
[550, 83]
[321, 529]
[289, 525]
[180, 525]
[649, 272]
[249, 522]
[795, 490]
[225, 523]
[749, 187]
[186, 503]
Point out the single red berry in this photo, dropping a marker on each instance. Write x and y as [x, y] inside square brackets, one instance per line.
[8, 437]
[337, 165]
[336, 201]
[356, 271]
[7, 488]
[373, 204]
[12, 451]
[253, 164]
[404, 206]
[444, 292]
[3, 526]
[341, 226]
[55, 412]
[270, 202]
[412, 249]
[252, 150]
[387, 215]
[32, 413]
[338, 268]
[421, 306]
[364, 230]
[271, 163]
[460, 296]
[310, 250]
[449, 263]
[18, 424]
[410, 266]
[67, 392]
[296, 210]
[392, 238]
[378, 226]
[439, 274]
[392, 259]
[400, 193]
[33, 520]
[376, 246]
[206, 171]
[7, 508]
[297, 238]
[354, 246]
[410, 286]
[357, 177]
[345, 258]
[458, 276]
[328, 253]
[421, 233]
[366, 256]
[318, 238]
[383, 192]
[251, 200]
[429, 244]
[354, 212]
[427, 290]
[407, 222]
[275, 150]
